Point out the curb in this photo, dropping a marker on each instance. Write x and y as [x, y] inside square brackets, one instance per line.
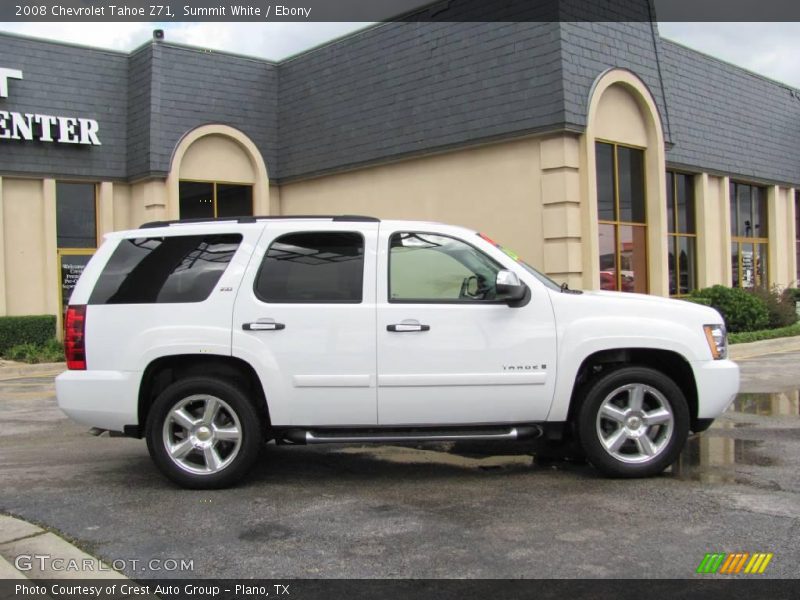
[763, 347]
[20, 541]
[13, 370]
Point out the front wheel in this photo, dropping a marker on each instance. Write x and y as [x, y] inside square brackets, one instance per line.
[633, 422]
[203, 433]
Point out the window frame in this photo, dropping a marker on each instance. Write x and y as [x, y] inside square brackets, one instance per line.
[742, 240]
[214, 184]
[311, 231]
[391, 300]
[616, 224]
[673, 238]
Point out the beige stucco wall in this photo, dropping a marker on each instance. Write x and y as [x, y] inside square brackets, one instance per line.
[712, 205]
[217, 158]
[780, 203]
[495, 189]
[24, 247]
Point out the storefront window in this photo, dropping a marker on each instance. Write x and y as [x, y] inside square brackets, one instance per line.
[205, 199]
[622, 218]
[76, 232]
[749, 235]
[682, 234]
[76, 215]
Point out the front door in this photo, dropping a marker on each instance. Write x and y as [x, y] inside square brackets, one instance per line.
[448, 351]
[305, 318]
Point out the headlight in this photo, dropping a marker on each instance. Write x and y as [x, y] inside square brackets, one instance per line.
[717, 339]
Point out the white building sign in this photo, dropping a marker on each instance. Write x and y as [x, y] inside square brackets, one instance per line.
[43, 128]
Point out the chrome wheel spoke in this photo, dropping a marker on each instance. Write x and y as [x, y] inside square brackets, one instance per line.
[211, 410]
[181, 449]
[636, 397]
[212, 458]
[657, 417]
[612, 412]
[646, 446]
[182, 418]
[614, 442]
[226, 434]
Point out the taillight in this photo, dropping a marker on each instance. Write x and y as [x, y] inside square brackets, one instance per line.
[74, 340]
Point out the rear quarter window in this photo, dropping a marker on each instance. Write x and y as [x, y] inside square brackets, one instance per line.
[165, 270]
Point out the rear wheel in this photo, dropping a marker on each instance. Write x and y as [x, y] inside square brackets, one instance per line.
[633, 422]
[203, 433]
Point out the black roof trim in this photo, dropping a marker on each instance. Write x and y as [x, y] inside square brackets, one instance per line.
[253, 219]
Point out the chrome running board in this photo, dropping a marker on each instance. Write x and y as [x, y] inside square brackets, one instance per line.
[519, 432]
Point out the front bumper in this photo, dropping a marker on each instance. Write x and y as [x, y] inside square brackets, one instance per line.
[717, 385]
[104, 399]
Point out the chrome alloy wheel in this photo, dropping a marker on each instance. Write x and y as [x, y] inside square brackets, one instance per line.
[202, 434]
[635, 423]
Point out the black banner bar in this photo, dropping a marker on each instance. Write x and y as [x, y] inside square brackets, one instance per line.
[166, 11]
[705, 588]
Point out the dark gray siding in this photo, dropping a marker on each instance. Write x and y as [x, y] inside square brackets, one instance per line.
[192, 88]
[589, 49]
[140, 74]
[404, 88]
[728, 120]
[67, 81]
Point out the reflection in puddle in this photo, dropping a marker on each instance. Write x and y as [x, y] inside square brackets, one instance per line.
[782, 404]
[705, 453]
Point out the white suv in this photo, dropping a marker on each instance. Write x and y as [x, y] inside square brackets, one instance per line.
[210, 338]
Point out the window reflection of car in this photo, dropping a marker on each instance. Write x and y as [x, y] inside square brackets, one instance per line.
[608, 281]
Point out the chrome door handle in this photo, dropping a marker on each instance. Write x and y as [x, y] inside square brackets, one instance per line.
[263, 326]
[405, 327]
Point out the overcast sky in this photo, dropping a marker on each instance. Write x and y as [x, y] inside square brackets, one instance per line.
[771, 49]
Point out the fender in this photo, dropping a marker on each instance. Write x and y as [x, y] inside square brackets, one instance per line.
[587, 336]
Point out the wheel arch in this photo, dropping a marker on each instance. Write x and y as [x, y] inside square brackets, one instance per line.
[670, 363]
[166, 370]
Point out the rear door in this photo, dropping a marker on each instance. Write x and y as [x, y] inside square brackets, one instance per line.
[448, 351]
[305, 319]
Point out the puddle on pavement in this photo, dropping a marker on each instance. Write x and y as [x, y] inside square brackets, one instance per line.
[706, 455]
[781, 404]
[442, 456]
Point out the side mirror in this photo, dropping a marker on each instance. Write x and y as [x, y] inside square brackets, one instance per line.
[509, 287]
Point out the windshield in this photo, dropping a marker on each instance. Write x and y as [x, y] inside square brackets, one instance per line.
[511, 254]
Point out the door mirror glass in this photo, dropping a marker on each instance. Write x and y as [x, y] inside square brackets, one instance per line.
[509, 286]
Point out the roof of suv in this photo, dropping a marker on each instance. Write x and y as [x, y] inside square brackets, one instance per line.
[254, 219]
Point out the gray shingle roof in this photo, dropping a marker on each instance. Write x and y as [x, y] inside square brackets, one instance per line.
[729, 120]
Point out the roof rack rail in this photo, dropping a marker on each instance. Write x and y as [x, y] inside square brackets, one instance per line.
[253, 219]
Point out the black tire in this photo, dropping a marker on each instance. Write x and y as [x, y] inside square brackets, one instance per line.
[598, 434]
[231, 458]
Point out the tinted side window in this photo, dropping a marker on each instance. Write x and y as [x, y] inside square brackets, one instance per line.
[319, 266]
[425, 267]
[165, 270]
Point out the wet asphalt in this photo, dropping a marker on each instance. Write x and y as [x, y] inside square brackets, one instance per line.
[429, 511]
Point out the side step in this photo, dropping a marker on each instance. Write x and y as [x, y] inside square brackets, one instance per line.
[355, 436]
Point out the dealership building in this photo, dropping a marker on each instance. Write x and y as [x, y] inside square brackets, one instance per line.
[603, 154]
